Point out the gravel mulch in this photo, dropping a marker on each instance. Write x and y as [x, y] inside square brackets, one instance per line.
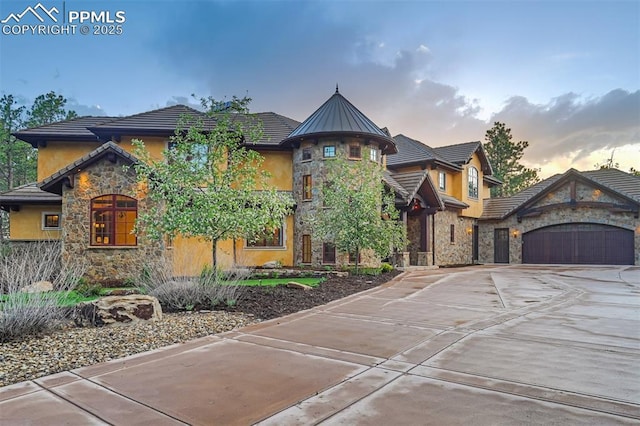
[72, 347]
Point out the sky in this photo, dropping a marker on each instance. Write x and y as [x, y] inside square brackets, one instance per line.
[564, 76]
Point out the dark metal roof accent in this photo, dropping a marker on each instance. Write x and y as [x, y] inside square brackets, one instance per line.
[339, 117]
[412, 151]
[413, 181]
[27, 194]
[615, 181]
[75, 129]
[53, 183]
[461, 154]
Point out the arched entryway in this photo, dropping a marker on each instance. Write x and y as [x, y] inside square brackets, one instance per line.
[579, 243]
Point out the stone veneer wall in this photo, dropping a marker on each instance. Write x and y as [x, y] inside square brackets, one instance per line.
[306, 208]
[106, 263]
[548, 218]
[460, 251]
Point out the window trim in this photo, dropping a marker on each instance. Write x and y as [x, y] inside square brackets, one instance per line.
[324, 151]
[307, 150]
[43, 221]
[307, 187]
[306, 249]
[473, 178]
[324, 251]
[373, 155]
[353, 156]
[112, 239]
[282, 240]
[442, 181]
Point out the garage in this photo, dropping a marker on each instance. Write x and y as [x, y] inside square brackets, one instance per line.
[579, 243]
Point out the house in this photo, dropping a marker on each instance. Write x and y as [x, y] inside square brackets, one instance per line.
[86, 197]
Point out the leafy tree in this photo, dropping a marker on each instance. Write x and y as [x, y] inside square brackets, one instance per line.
[48, 108]
[210, 183]
[359, 212]
[504, 156]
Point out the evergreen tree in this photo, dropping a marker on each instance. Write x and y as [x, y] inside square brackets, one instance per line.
[504, 155]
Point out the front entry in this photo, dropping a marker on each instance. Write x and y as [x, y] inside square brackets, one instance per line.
[501, 245]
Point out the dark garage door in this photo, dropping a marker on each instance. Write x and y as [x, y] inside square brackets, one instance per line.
[581, 243]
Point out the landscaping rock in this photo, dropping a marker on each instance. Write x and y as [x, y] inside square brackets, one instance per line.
[271, 265]
[118, 310]
[293, 284]
[38, 287]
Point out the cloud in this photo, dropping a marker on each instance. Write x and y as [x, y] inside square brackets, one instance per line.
[572, 126]
[311, 49]
[83, 110]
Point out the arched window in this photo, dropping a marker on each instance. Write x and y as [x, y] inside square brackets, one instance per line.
[112, 220]
[473, 182]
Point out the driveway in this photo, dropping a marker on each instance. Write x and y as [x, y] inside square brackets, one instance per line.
[479, 345]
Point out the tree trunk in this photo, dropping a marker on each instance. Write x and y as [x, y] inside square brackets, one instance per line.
[214, 253]
[357, 260]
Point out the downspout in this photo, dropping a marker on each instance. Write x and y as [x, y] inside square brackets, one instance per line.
[433, 239]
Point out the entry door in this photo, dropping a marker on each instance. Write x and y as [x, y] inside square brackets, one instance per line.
[501, 245]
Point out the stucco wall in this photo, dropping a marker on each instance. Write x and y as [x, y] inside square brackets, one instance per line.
[26, 224]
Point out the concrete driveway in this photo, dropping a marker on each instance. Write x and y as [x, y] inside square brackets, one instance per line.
[479, 345]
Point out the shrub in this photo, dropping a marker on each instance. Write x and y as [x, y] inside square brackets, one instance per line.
[386, 267]
[27, 313]
[178, 293]
[87, 289]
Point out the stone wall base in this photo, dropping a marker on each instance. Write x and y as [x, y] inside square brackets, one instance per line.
[425, 258]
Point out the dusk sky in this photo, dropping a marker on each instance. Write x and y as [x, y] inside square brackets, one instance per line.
[564, 76]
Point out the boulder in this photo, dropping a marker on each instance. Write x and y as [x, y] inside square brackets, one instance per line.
[109, 310]
[293, 284]
[274, 264]
[38, 287]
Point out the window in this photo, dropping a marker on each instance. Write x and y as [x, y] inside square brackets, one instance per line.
[196, 154]
[306, 187]
[355, 151]
[306, 248]
[329, 151]
[442, 181]
[306, 154]
[269, 238]
[50, 221]
[352, 257]
[373, 154]
[452, 232]
[112, 220]
[328, 253]
[473, 182]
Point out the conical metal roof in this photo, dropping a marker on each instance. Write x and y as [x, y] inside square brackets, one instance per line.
[338, 117]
